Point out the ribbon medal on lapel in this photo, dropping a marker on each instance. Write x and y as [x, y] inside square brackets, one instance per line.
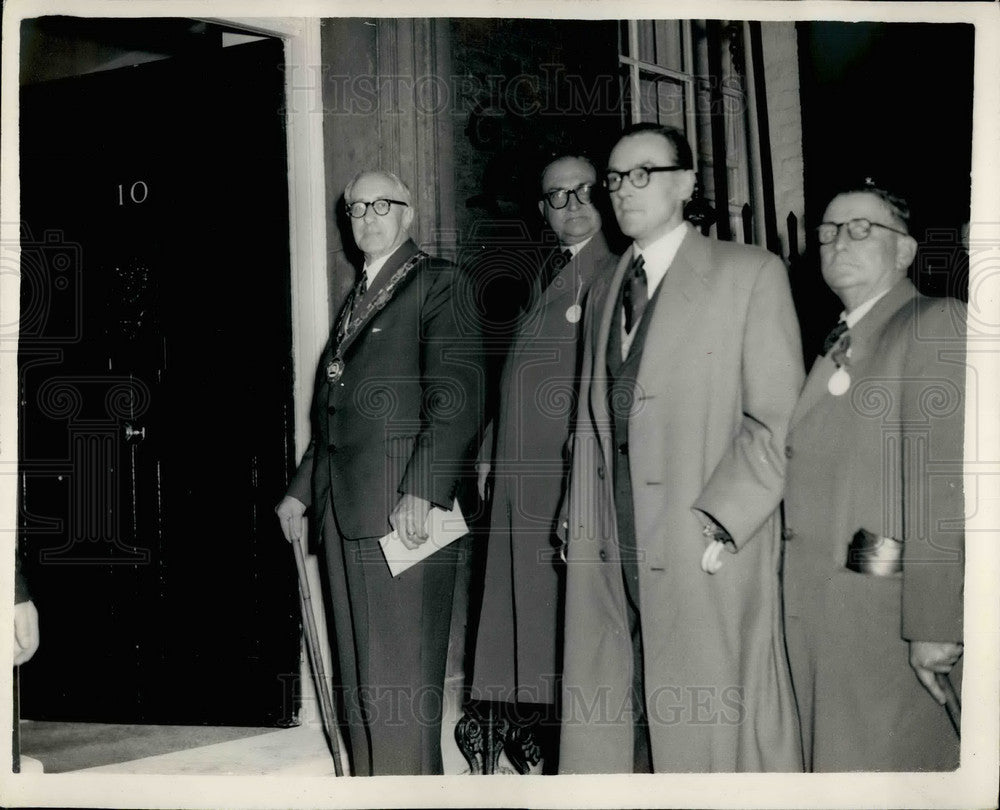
[573, 313]
[334, 370]
[840, 380]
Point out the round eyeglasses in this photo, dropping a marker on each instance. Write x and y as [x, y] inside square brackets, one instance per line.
[358, 209]
[857, 229]
[559, 198]
[638, 177]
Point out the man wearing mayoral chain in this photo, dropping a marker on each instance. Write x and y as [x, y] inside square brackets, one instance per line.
[396, 413]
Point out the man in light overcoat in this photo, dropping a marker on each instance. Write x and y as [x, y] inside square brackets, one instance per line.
[692, 363]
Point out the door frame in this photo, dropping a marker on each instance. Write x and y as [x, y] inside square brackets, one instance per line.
[310, 289]
[307, 212]
[307, 206]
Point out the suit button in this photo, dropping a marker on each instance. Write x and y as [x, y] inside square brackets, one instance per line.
[787, 533]
[600, 473]
[331, 409]
[623, 449]
[603, 554]
[332, 447]
[788, 451]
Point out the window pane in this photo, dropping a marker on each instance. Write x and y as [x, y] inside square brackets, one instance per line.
[662, 100]
[660, 43]
[646, 46]
[667, 38]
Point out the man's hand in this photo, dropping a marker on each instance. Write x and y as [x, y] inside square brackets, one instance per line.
[482, 475]
[931, 657]
[409, 519]
[25, 631]
[290, 513]
[711, 560]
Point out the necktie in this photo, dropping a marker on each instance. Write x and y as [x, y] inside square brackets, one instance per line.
[635, 296]
[834, 337]
[356, 295]
[557, 261]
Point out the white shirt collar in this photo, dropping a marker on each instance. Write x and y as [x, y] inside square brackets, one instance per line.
[574, 249]
[856, 314]
[659, 255]
[372, 270]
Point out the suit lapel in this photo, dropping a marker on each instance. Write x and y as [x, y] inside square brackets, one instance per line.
[578, 273]
[814, 389]
[864, 333]
[606, 317]
[363, 311]
[676, 303]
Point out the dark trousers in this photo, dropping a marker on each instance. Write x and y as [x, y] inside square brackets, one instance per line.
[390, 637]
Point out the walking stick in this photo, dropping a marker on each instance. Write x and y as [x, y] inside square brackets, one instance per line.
[952, 704]
[326, 709]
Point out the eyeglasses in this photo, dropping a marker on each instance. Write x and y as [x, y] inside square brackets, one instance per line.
[638, 177]
[560, 197]
[857, 229]
[358, 209]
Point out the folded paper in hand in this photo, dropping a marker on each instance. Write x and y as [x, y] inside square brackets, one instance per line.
[444, 527]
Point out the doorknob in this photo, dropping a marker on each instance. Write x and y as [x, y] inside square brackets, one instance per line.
[133, 434]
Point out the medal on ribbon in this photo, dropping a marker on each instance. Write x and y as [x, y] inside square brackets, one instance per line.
[334, 370]
[840, 380]
[573, 313]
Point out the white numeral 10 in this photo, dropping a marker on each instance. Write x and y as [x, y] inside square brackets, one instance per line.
[137, 193]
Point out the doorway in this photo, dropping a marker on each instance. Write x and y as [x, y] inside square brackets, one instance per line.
[156, 413]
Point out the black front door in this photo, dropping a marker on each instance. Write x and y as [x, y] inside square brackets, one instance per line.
[155, 379]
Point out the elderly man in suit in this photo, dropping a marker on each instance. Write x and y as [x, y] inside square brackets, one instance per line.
[874, 554]
[519, 639]
[691, 367]
[395, 416]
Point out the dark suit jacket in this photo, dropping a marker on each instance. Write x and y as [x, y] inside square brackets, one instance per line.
[885, 456]
[404, 414]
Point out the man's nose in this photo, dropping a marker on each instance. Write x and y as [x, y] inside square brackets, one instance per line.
[573, 202]
[843, 238]
[370, 215]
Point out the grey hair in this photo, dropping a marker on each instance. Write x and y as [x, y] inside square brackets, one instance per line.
[898, 206]
[402, 189]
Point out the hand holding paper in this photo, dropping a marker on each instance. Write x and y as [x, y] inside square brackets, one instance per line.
[442, 527]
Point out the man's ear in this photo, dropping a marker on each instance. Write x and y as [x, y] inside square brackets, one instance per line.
[541, 208]
[688, 178]
[906, 251]
[408, 217]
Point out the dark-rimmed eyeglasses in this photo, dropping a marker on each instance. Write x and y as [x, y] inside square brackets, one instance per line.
[559, 198]
[358, 209]
[857, 229]
[638, 177]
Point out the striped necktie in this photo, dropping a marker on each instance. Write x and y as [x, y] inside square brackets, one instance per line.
[635, 296]
[833, 338]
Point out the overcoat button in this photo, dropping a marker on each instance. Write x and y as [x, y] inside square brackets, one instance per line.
[787, 533]
[788, 451]
[603, 554]
[600, 473]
